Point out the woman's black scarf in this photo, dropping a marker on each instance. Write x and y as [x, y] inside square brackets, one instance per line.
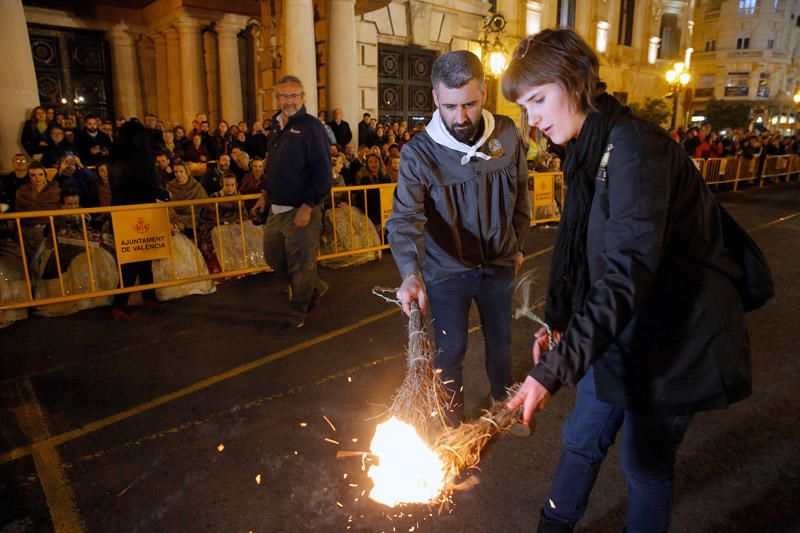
[569, 268]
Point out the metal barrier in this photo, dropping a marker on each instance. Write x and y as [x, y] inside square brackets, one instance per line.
[18, 225]
[734, 170]
[779, 166]
[15, 224]
[716, 171]
[546, 191]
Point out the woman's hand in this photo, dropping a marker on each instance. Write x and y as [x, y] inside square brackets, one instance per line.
[541, 343]
[532, 396]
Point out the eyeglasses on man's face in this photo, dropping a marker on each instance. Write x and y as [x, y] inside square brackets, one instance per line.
[292, 96]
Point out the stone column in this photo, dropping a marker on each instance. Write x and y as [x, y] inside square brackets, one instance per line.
[162, 76]
[342, 80]
[300, 51]
[127, 95]
[18, 88]
[192, 69]
[230, 75]
[147, 70]
[256, 32]
[212, 74]
[174, 85]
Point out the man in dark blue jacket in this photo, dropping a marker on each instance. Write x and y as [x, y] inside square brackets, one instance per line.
[297, 180]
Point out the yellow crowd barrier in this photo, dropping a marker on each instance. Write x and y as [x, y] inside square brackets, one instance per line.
[357, 204]
[349, 209]
[17, 223]
[734, 170]
[546, 196]
[777, 167]
[373, 202]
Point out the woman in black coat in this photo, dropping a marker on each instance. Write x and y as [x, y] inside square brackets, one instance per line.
[34, 136]
[645, 315]
[134, 181]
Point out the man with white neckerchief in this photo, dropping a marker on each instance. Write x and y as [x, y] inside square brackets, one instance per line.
[459, 220]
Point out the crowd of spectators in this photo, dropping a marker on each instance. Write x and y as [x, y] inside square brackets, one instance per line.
[63, 156]
[57, 141]
[702, 142]
[201, 161]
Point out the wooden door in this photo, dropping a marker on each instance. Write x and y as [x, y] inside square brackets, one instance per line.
[404, 84]
[71, 64]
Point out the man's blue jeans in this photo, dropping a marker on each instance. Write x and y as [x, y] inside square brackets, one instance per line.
[450, 300]
[649, 444]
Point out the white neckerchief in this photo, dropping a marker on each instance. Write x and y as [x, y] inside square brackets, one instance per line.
[438, 132]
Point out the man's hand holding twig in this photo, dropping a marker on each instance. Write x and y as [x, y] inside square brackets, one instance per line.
[413, 288]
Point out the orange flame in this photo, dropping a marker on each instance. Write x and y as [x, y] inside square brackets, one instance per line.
[409, 471]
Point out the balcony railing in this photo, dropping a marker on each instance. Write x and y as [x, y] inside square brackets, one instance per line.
[704, 56]
[764, 54]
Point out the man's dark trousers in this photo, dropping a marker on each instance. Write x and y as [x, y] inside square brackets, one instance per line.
[450, 300]
[292, 253]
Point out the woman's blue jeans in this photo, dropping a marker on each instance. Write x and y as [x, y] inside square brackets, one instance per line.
[649, 445]
[450, 300]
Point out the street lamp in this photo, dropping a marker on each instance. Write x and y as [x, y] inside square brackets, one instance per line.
[677, 78]
[492, 44]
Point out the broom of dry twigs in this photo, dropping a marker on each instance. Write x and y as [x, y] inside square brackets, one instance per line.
[460, 448]
[422, 398]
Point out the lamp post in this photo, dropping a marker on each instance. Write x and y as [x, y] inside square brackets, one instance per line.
[677, 78]
[492, 49]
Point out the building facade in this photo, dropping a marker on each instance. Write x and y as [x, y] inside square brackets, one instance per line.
[175, 58]
[745, 50]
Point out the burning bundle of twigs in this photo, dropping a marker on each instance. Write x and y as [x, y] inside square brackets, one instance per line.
[421, 398]
[460, 448]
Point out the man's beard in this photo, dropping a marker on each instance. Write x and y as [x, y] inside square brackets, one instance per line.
[92, 130]
[289, 110]
[464, 133]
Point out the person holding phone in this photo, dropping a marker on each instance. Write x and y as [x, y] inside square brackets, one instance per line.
[92, 144]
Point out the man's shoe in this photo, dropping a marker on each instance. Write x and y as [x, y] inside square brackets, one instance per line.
[319, 292]
[321, 288]
[487, 403]
[292, 324]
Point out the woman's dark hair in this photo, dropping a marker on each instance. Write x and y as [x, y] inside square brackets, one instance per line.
[554, 56]
[34, 110]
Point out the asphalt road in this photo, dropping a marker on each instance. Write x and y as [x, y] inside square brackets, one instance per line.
[205, 417]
